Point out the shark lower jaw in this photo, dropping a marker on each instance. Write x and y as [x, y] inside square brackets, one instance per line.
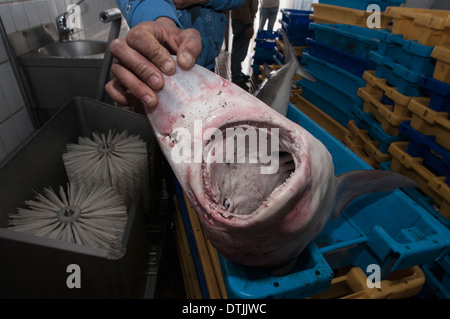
[246, 168]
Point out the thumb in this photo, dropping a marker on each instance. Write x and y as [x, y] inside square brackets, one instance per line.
[189, 49]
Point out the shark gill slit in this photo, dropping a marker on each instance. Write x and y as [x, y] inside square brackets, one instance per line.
[232, 166]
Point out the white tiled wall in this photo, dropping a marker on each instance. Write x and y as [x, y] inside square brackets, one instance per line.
[18, 15]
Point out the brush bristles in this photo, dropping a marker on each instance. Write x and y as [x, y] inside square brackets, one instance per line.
[116, 160]
[100, 225]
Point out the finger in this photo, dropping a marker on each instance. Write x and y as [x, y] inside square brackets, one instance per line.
[190, 48]
[117, 92]
[137, 63]
[134, 85]
[147, 38]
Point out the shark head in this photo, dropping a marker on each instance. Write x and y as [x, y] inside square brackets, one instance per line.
[263, 187]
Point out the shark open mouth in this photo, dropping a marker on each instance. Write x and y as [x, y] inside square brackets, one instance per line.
[243, 163]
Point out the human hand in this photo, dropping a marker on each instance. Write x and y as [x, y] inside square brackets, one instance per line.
[181, 4]
[145, 54]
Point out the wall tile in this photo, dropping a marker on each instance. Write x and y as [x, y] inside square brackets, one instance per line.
[9, 135]
[10, 88]
[31, 11]
[23, 123]
[7, 18]
[4, 109]
[19, 16]
[3, 53]
[44, 11]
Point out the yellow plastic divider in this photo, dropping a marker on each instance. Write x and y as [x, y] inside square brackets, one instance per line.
[389, 120]
[432, 185]
[369, 146]
[320, 117]
[208, 256]
[325, 13]
[191, 285]
[427, 26]
[353, 285]
[430, 122]
[442, 69]
[298, 50]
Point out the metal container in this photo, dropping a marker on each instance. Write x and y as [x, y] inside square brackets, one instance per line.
[37, 267]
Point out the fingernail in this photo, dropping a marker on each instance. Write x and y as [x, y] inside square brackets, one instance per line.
[188, 58]
[154, 80]
[167, 67]
[147, 99]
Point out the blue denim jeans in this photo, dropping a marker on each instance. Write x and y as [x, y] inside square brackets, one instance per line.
[269, 14]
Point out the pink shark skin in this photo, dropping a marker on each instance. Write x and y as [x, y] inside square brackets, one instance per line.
[293, 214]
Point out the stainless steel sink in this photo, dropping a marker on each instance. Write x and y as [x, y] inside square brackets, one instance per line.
[73, 49]
[58, 71]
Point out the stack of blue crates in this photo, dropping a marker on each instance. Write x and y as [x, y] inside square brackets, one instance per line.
[344, 50]
[265, 49]
[296, 25]
[337, 56]
[386, 229]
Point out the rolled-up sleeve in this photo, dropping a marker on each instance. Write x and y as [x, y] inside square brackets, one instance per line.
[137, 11]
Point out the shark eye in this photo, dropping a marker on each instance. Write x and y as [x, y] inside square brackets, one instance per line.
[226, 203]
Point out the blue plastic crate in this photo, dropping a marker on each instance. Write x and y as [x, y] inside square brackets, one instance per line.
[341, 113]
[332, 90]
[295, 17]
[340, 58]
[266, 34]
[262, 56]
[411, 54]
[296, 34]
[352, 39]
[421, 199]
[439, 93]
[435, 157]
[311, 275]
[366, 121]
[362, 4]
[437, 276]
[343, 79]
[265, 44]
[406, 81]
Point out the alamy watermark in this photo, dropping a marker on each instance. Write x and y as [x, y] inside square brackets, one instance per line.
[247, 145]
[73, 16]
[374, 19]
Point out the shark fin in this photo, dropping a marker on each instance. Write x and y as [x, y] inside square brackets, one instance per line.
[357, 183]
[267, 71]
[291, 55]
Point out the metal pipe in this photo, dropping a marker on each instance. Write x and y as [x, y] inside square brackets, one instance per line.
[115, 17]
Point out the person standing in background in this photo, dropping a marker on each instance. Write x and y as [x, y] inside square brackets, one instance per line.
[268, 11]
[242, 19]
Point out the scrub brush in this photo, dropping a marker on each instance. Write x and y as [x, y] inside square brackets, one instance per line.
[116, 160]
[94, 217]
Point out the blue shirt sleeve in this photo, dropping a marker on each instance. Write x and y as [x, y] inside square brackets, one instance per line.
[221, 5]
[137, 11]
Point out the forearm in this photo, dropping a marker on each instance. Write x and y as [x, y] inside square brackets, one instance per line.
[136, 12]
